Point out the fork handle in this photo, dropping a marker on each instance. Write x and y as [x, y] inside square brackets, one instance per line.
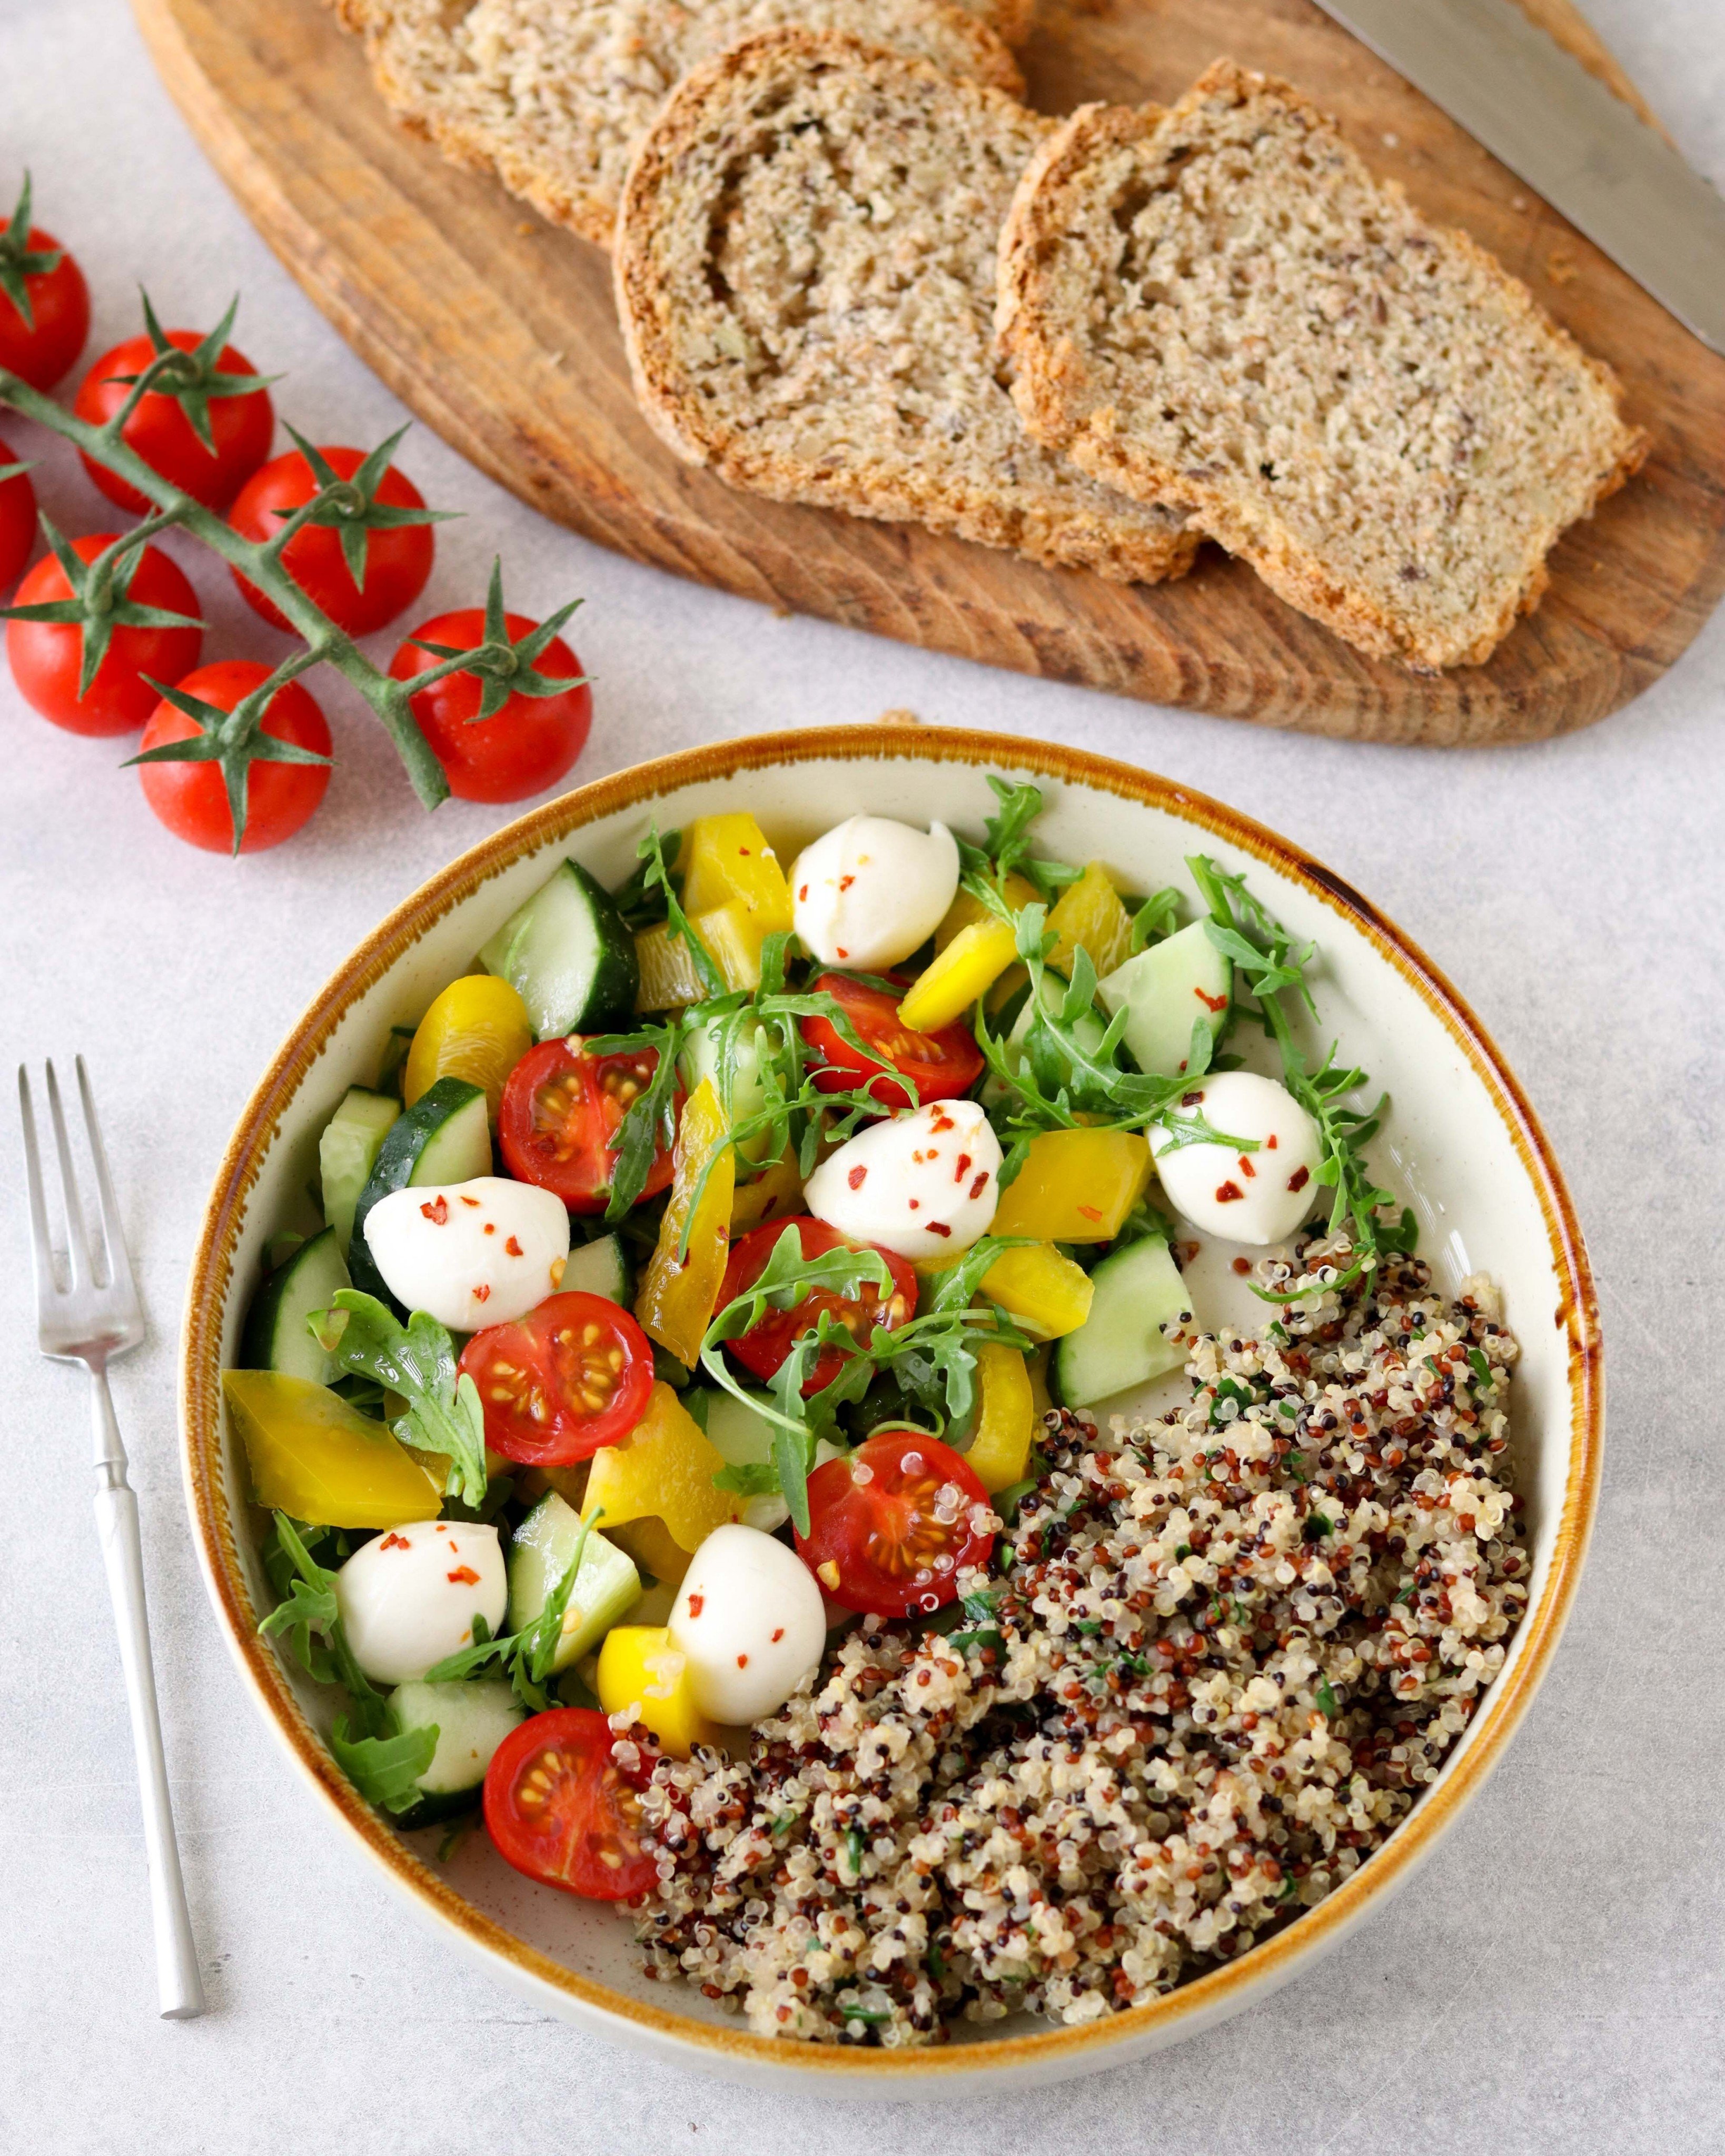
[116, 1510]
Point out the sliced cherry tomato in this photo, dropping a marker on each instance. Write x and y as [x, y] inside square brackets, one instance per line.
[889, 1526]
[767, 1343]
[561, 1109]
[17, 521]
[42, 346]
[192, 798]
[520, 750]
[397, 559]
[559, 1808]
[46, 657]
[572, 1375]
[941, 1065]
[159, 431]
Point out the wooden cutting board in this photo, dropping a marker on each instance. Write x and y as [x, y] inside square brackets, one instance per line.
[499, 331]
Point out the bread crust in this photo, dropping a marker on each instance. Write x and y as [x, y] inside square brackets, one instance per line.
[1045, 318]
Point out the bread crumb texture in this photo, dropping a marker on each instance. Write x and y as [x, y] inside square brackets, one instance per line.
[1218, 306]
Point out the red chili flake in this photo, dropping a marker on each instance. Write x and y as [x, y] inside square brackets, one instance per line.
[845, 882]
[914, 1204]
[1091, 1212]
[1242, 1264]
[803, 892]
[1190, 1100]
[1227, 1192]
[742, 1661]
[697, 1602]
[464, 1575]
[395, 1541]
[482, 1294]
[1245, 1167]
[1211, 1002]
[856, 1177]
[778, 1635]
[936, 1226]
[940, 1122]
[1299, 1180]
[1270, 1143]
[963, 1169]
[980, 1185]
[491, 1227]
[514, 1248]
[437, 1211]
[842, 952]
[744, 851]
[466, 1200]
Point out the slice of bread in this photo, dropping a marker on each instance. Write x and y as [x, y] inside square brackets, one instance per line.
[552, 95]
[805, 275]
[1220, 306]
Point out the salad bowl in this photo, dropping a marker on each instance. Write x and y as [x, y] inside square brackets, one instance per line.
[1460, 1142]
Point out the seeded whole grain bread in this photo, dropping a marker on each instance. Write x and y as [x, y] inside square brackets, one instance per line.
[805, 275]
[552, 95]
[1218, 306]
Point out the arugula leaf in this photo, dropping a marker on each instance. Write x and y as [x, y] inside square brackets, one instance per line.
[385, 1770]
[1006, 850]
[1154, 919]
[310, 1613]
[749, 1478]
[657, 877]
[649, 1120]
[641, 901]
[526, 1655]
[416, 1360]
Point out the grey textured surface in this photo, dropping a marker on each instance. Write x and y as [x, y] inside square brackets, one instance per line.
[1552, 1980]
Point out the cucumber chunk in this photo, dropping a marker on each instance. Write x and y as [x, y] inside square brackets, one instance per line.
[348, 1152]
[601, 1267]
[277, 1337]
[568, 956]
[734, 1066]
[606, 1586]
[1122, 1343]
[1164, 989]
[472, 1717]
[744, 1436]
[392, 1071]
[444, 1137]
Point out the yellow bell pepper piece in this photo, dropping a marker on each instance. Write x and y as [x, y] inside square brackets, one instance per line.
[725, 859]
[1044, 1292]
[663, 1470]
[653, 1548]
[677, 1292]
[477, 1029]
[732, 936]
[975, 959]
[772, 1195]
[314, 1456]
[1075, 1187]
[1006, 1418]
[639, 1670]
[1088, 915]
[965, 910]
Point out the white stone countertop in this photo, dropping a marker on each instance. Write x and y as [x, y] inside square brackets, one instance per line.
[1552, 1980]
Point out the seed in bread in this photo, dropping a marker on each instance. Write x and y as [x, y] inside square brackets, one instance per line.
[805, 275]
[1220, 306]
[552, 95]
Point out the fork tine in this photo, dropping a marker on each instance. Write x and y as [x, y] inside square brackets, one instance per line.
[41, 1249]
[77, 1241]
[113, 1239]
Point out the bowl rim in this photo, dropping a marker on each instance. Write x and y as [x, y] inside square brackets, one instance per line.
[1054, 2049]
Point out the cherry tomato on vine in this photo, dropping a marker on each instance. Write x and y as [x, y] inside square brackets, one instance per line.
[192, 798]
[160, 430]
[941, 1065]
[562, 1110]
[767, 1343]
[397, 555]
[47, 657]
[45, 304]
[560, 1809]
[572, 1375]
[17, 521]
[522, 749]
[893, 1521]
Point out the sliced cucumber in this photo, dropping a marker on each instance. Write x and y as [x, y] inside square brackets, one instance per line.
[348, 1152]
[471, 1717]
[730, 1055]
[1089, 1030]
[1139, 1293]
[601, 1267]
[1164, 989]
[740, 1433]
[277, 1337]
[568, 956]
[443, 1138]
[393, 1070]
[606, 1586]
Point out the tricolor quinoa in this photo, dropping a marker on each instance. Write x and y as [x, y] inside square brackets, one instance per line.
[1217, 1659]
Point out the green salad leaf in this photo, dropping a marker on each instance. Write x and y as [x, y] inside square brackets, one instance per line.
[416, 1360]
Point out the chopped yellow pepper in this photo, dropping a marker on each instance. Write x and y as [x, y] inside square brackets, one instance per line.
[1044, 1291]
[965, 910]
[1000, 1449]
[663, 1470]
[772, 1195]
[478, 1029]
[639, 1669]
[1075, 1187]
[314, 1456]
[1088, 915]
[726, 859]
[732, 938]
[677, 1293]
[975, 959]
[653, 1548]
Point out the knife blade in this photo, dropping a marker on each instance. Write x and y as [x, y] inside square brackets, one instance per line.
[1539, 111]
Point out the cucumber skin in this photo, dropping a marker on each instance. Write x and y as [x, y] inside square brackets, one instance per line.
[257, 1349]
[610, 998]
[397, 1159]
[577, 1274]
[435, 1805]
[346, 1131]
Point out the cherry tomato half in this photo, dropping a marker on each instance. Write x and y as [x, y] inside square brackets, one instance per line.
[190, 798]
[160, 433]
[572, 1375]
[397, 562]
[560, 1809]
[42, 349]
[46, 657]
[17, 521]
[562, 1109]
[941, 1065]
[894, 1519]
[520, 750]
[767, 1343]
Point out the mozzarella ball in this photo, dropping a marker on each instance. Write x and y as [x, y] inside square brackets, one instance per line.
[1260, 1196]
[749, 1623]
[409, 1597]
[925, 1185]
[873, 890]
[470, 1253]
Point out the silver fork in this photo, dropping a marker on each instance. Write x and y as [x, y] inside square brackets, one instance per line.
[90, 1321]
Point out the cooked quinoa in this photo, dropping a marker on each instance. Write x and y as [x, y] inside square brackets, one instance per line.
[1220, 1656]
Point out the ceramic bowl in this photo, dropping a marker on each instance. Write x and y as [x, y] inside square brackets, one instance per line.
[1460, 1140]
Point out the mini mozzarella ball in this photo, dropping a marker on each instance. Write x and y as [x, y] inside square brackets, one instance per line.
[925, 1185]
[1260, 1196]
[470, 1253]
[409, 1597]
[749, 1623]
[873, 890]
